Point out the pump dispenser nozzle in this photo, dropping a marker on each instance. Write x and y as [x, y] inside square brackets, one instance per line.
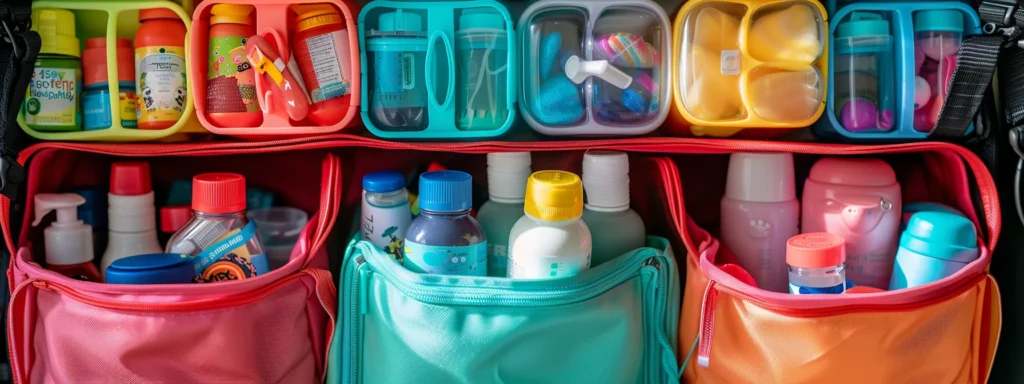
[68, 239]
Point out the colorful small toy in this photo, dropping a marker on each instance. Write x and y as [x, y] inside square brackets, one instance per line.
[627, 50]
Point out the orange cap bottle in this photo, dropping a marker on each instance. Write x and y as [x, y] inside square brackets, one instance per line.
[160, 68]
[231, 81]
[320, 38]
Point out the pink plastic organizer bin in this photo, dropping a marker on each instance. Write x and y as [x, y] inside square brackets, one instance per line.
[275, 21]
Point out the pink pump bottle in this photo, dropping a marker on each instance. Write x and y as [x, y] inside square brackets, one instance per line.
[858, 199]
[760, 213]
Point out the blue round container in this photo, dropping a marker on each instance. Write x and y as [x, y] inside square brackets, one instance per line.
[156, 268]
[934, 245]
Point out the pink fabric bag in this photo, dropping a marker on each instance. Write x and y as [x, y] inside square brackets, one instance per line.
[273, 328]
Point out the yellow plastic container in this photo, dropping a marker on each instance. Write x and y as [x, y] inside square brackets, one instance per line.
[749, 65]
[113, 19]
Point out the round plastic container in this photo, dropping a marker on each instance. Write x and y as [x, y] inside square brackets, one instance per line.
[97, 113]
[397, 53]
[318, 27]
[280, 228]
[160, 68]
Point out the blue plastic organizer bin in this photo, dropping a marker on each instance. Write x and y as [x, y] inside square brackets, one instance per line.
[438, 69]
[885, 110]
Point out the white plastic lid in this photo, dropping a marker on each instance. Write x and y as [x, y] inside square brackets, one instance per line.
[606, 180]
[760, 177]
[68, 241]
[507, 173]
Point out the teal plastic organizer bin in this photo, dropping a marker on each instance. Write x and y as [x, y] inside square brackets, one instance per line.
[437, 69]
[905, 84]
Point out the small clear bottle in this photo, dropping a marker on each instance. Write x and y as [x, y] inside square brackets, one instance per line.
[506, 188]
[219, 219]
[444, 238]
[816, 263]
[385, 212]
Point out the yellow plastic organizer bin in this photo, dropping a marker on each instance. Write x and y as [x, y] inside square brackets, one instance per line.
[750, 65]
[115, 19]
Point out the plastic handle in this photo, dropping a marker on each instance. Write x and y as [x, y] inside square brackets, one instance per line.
[429, 68]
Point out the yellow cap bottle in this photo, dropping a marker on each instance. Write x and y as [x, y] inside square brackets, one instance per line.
[56, 28]
[554, 196]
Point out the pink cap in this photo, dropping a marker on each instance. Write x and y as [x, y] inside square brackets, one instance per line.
[815, 250]
[174, 217]
[218, 193]
[130, 178]
[859, 172]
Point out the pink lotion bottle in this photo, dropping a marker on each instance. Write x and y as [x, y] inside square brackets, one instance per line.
[858, 199]
[760, 213]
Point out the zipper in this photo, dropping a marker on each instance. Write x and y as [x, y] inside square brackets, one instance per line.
[356, 309]
[13, 332]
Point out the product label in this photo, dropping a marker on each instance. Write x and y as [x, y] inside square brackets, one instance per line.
[545, 267]
[232, 85]
[52, 97]
[97, 113]
[470, 260]
[228, 258]
[385, 227]
[328, 54]
[160, 79]
[497, 259]
[730, 62]
[798, 290]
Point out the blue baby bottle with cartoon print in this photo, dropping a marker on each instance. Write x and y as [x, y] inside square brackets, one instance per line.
[444, 238]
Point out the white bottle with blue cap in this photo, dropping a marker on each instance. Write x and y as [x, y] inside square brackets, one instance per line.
[934, 245]
[385, 212]
[444, 238]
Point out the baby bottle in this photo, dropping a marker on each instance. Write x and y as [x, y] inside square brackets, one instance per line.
[398, 99]
[219, 223]
[482, 56]
[864, 73]
[816, 263]
[934, 245]
[444, 238]
[858, 199]
[760, 213]
[938, 34]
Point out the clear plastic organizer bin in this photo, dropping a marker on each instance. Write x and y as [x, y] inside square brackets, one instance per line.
[437, 70]
[317, 45]
[594, 67]
[749, 65]
[113, 20]
[891, 66]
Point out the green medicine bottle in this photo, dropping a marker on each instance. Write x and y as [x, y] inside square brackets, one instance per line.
[52, 101]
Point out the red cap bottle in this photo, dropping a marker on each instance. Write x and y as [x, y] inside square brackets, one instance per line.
[130, 178]
[218, 193]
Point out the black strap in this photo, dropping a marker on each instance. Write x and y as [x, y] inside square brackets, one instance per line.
[979, 55]
[18, 52]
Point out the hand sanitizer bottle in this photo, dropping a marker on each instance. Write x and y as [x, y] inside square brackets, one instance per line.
[506, 187]
[550, 240]
[615, 227]
[132, 217]
[68, 240]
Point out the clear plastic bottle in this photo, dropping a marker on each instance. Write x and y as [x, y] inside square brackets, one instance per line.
[444, 238]
[816, 263]
[615, 227]
[550, 240]
[506, 186]
[385, 212]
[218, 221]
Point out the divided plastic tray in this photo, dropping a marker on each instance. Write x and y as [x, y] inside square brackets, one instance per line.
[900, 16]
[274, 21]
[631, 36]
[116, 19]
[437, 69]
[747, 64]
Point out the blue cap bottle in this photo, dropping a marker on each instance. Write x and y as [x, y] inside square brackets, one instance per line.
[156, 268]
[934, 245]
[444, 238]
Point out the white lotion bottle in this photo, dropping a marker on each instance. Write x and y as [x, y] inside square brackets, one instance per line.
[131, 216]
[506, 189]
[550, 240]
[616, 228]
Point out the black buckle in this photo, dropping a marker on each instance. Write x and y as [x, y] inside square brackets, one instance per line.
[12, 175]
[1000, 16]
[11, 28]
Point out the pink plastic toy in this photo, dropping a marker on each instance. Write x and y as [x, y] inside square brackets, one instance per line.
[858, 199]
[759, 214]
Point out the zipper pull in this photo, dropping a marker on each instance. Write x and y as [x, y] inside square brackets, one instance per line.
[364, 280]
[653, 261]
[707, 325]
[42, 284]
